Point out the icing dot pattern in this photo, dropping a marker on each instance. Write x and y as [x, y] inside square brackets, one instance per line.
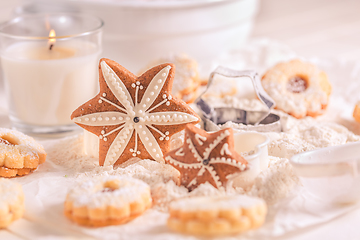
[190, 158]
[136, 117]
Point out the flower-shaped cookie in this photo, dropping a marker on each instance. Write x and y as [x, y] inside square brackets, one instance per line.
[206, 157]
[133, 116]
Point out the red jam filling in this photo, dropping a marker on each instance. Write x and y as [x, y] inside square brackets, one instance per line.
[297, 84]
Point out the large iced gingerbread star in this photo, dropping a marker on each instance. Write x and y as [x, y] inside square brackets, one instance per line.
[133, 116]
[206, 157]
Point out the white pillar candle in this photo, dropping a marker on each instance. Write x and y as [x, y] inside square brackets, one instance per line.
[47, 85]
[49, 64]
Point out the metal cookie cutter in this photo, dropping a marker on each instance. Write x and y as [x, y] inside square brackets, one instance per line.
[261, 121]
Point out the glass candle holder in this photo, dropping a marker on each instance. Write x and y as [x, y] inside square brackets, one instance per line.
[49, 64]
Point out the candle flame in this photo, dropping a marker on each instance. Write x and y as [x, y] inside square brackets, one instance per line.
[52, 39]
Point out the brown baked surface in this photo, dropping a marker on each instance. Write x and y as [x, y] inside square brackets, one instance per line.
[163, 102]
[206, 157]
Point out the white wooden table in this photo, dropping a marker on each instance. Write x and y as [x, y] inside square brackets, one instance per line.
[312, 28]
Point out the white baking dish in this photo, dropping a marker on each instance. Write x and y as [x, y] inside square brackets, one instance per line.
[332, 173]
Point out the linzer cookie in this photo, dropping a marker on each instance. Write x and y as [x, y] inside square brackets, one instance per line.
[107, 201]
[11, 202]
[134, 116]
[19, 154]
[206, 157]
[211, 216]
[298, 88]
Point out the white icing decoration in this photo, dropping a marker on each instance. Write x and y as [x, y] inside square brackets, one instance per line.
[215, 143]
[118, 145]
[181, 164]
[121, 93]
[132, 109]
[180, 152]
[193, 150]
[214, 176]
[174, 118]
[200, 139]
[109, 115]
[205, 156]
[225, 149]
[193, 182]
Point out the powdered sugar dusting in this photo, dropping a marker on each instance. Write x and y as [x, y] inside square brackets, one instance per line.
[219, 202]
[146, 170]
[90, 192]
[275, 182]
[68, 153]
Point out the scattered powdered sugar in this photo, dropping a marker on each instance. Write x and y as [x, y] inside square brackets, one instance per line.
[146, 170]
[68, 153]
[307, 134]
[164, 193]
[273, 184]
[92, 192]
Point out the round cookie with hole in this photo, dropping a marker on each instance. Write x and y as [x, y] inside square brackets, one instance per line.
[105, 201]
[217, 215]
[19, 153]
[298, 88]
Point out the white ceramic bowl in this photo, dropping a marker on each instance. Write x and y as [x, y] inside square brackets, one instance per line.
[258, 160]
[332, 173]
[137, 32]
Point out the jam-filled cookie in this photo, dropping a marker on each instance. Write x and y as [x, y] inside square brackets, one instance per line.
[298, 88]
[19, 153]
[211, 216]
[107, 201]
[11, 202]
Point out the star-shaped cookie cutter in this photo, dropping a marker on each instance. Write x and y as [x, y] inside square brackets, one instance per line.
[261, 121]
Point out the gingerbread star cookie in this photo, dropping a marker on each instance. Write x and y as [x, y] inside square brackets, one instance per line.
[206, 157]
[133, 116]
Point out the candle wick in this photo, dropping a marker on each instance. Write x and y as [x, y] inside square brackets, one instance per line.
[51, 46]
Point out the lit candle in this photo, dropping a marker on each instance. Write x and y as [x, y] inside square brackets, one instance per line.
[47, 80]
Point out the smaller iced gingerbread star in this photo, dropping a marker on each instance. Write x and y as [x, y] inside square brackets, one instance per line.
[206, 157]
[133, 116]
